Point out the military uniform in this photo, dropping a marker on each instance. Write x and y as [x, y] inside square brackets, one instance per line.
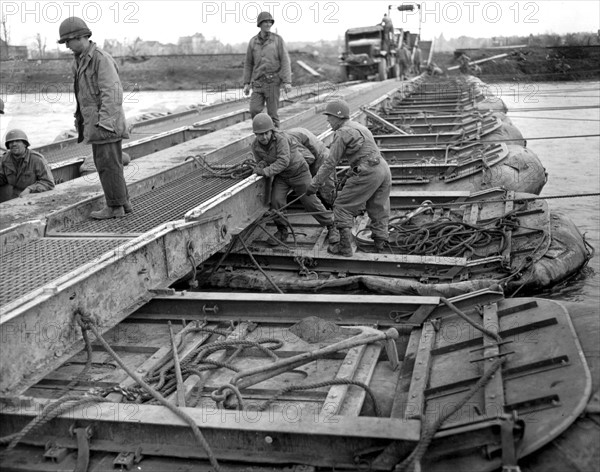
[368, 183]
[281, 159]
[32, 172]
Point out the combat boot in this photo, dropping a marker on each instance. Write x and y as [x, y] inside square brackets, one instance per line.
[344, 247]
[380, 245]
[333, 234]
[108, 212]
[279, 237]
[128, 207]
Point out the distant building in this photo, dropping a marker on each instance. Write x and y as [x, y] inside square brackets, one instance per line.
[8, 52]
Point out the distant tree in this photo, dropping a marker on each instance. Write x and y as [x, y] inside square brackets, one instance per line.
[39, 46]
[5, 30]
[134, 47]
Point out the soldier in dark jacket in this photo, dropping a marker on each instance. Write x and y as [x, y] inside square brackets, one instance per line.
[25, 170]
[278, 155]
[267, 66]
[99, 118]
[368, 184]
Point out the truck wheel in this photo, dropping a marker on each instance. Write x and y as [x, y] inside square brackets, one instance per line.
[343, 74]
[382, 70]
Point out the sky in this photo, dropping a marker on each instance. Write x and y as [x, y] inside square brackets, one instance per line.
[234, 22]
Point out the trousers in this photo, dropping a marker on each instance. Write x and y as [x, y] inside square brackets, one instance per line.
[368, 187]
[266, 92]
[298, 183]
[108, 159]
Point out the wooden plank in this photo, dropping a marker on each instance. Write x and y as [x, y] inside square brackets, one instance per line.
[355, 398]
[420, 375]
[337, 393]
[494, 389]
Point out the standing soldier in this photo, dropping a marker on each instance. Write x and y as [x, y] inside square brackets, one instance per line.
[26, 171]
[315, 153]
[277, 155]
[267, 66]
[99, 118]
[403, 61]
[368, 184]
[417, 60]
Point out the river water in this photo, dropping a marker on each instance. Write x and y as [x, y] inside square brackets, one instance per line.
[541, 110]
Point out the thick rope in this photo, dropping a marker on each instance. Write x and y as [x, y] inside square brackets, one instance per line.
[429, 432]
[188, 419]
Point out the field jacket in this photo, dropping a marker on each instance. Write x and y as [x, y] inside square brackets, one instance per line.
[99, 93]
[32, 172]
[267, 59]
[354, 142]
[281, 156]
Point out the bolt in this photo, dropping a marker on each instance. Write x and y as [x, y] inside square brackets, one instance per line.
[268, 439]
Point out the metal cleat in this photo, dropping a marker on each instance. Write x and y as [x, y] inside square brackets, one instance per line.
[55, 453]
[128, 459]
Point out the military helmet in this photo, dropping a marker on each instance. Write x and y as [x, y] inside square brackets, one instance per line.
[339, 109]
[1, 107]
[262, 123]
[264, 16]
[16, 135]
[72, 27]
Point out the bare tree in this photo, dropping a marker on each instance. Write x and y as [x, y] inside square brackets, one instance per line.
[40, 46]
[5, 30]
[135, 46]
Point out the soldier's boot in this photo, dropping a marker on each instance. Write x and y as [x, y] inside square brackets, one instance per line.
[128, 207]
[279, 237]
[380, 245]
[333, 234]
[108, 212]
[344, 247]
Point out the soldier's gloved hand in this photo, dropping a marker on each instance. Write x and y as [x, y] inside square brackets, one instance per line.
[287, 88]
[27, 191]
[311, 190]
[259, 171]
[246, 89]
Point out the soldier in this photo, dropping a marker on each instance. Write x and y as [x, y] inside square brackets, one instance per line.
[277, 155]
[25, 170]
[99, 118]
[368, 183]
[267, 66]
[315, 153]
[403, 61]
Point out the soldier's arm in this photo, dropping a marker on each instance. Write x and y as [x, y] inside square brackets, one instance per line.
[43, 174]
[283, 159]
[336, 151]
[111, 93]
[286, 68]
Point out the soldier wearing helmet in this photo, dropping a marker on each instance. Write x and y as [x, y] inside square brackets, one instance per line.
[99, 118]
[266, 68]
[25, 170]
[368, 182]
[278, 155]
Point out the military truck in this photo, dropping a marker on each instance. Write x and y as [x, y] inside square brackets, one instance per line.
[368, 52]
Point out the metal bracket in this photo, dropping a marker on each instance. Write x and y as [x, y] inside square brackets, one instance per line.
[83, 436]
[55, 453]
[128, 459]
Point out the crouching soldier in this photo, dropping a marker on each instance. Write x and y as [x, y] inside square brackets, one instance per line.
[25, 170]
[277, 155]
[315, 153]
[369, 181]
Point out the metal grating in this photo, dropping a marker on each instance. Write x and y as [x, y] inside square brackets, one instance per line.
[38, 262]
[166, 203]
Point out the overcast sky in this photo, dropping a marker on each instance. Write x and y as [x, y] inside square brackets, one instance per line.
[234, 22]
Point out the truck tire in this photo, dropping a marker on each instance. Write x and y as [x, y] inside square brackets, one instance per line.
[382, 70]
[343, 73]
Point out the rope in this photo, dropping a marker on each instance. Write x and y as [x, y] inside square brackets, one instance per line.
[85, 322]
[51, 411]
[88, 364]
[502, 200]
[236, 171]
[430, 430]
[327, 383]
